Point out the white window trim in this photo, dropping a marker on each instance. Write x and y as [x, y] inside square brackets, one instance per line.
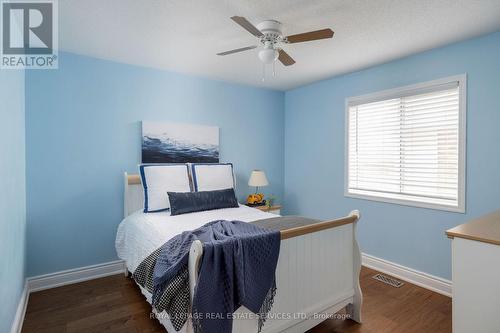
[462, 142]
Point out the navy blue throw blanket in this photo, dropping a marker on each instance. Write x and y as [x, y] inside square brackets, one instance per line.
[237, 269]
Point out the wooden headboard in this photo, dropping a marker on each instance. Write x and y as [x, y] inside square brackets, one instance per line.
[133, 198]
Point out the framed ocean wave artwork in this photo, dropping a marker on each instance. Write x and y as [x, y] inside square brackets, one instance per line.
[164, 142]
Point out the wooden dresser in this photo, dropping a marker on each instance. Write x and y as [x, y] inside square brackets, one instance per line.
[476, 275]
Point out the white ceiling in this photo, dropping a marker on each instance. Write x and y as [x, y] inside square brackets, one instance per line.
[185, 35]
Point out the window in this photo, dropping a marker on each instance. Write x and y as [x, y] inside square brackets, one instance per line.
[407, 145]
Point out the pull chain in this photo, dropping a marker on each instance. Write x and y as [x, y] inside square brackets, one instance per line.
[264, 71]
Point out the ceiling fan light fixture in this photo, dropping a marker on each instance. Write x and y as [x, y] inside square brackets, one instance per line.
[268, 55]
[270, 35]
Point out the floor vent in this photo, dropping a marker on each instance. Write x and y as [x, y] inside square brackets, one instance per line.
[388, 280]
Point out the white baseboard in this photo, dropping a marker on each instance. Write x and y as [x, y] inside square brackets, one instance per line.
[421, 279]
[76, 275]
[17, 323]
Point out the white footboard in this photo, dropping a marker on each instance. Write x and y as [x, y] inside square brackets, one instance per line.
[317, 275]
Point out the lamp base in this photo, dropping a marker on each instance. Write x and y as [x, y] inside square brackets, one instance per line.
[256, 198]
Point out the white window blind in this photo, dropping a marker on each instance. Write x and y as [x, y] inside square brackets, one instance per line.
[406, 147]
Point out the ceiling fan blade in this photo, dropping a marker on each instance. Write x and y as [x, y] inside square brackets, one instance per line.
[245, 24]
[237, 50]
[285, 58]
[311, 35]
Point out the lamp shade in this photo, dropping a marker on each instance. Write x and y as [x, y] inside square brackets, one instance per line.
[258, 178]
[268, 56]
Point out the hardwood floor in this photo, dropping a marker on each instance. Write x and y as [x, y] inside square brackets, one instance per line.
[408, 309]
[115, 304]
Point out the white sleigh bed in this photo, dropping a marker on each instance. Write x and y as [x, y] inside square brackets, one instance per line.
[317, 273]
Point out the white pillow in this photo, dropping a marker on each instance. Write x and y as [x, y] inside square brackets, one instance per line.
[157, 180]
[211, 177]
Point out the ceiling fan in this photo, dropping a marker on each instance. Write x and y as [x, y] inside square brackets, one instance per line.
[271, 38]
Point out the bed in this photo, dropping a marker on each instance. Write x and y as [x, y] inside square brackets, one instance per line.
[317, 273]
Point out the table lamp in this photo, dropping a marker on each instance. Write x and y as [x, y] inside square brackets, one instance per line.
[257, 179]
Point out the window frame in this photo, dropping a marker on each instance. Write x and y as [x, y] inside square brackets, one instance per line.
[409, 90]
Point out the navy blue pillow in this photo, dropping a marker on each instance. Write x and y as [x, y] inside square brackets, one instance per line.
[189, 202]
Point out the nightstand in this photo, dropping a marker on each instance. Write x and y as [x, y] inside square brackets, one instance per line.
[276, 209]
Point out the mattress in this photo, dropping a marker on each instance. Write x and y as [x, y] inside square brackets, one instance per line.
[139, 234]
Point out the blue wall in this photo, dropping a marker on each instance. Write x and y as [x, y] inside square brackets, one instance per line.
[12, 194]
[314, 153]
[83, 131]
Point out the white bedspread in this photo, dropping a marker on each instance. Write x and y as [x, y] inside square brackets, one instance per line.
[140, 234]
